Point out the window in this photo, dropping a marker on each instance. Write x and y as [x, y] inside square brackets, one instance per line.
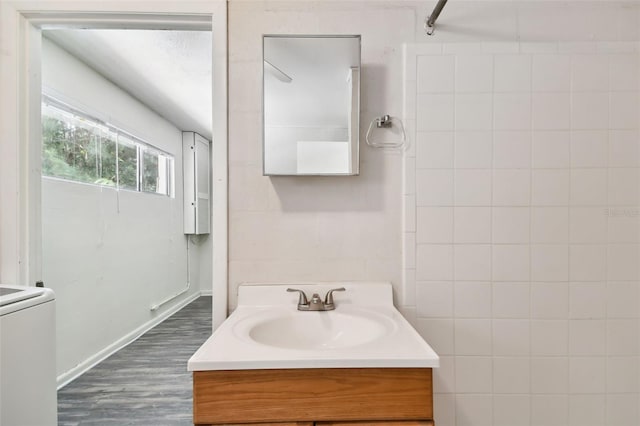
[80, 148]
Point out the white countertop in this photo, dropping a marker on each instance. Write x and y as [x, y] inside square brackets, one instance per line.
[394, 343]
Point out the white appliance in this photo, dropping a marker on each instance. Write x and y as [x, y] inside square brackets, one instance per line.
[28, 395]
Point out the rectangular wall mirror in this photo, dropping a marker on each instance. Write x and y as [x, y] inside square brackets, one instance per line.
[311, 105]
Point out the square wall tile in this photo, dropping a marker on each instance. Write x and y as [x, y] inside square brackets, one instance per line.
[588, 225]
[549, 224]
[472, 224]
[589, 187]
[472, 187]
[622, 375]
[624, 148]
[549, 300]
[472, 299]
[552, 111]
[623, 110]
[589, 110]
[622, 410]
[473, 150]
[444, 376]
[551, 73]
[434, 187]
[587, 262]
[549, 262]
[589, 73]
[587, 300]
[473, 111]
[434, 150]
[550, 187]
[512, 73]
[444, 404]
[623, 72]
[474, 73]
[549, 410]
[586, 337]
[549, 337]
[511, 225]
[587, 375]
[623, 228]
[435, 74]
[474, 410]
[439, 334]
[622, 263]
[587, 410]
[511, 300]
[511, 187]
[622, 299]
[511, 337]
[473, 374]
[622, 337]
[434, 225]
[589, 148]
[549, 375]
[510, 262]
[472, 262]
[551, 149]
[434, 262]
[623, 187]
[435, 112]
[472, 336]
[434, 299]
[512, 150]
[512, 111]
[511, 410]
[511, 375]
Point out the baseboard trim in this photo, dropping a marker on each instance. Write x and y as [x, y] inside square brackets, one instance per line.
[69, 376]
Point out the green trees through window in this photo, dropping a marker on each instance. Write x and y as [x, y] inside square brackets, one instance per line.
[78, 148]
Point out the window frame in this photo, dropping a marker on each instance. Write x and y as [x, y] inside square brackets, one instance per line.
[140, 145]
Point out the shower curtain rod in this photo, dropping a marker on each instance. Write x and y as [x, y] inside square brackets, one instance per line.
[430, 21]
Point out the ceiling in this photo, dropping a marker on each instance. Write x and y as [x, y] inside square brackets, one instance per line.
[169, 71]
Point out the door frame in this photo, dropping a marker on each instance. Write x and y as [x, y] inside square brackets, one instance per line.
[20, 83]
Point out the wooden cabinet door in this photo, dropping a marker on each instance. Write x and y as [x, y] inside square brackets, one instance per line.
[379, 423]
[268, 424]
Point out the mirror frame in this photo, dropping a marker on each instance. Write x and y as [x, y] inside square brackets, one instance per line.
[355, 127]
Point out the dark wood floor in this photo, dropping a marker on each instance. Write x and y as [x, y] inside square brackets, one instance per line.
[146, 383]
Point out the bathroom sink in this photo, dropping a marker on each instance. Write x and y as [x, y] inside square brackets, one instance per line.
[267, 331]
[316, 330]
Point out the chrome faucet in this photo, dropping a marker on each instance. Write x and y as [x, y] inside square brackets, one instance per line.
[316, 303]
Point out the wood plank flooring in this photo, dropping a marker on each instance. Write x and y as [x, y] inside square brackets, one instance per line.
[145, 383]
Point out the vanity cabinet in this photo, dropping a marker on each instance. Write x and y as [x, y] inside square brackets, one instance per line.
[309, 396]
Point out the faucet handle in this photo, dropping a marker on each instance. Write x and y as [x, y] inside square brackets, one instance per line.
[302, 300]
[328, 299]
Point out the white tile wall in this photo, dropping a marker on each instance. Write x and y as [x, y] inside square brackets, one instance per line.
[497, 129]
[529, 249]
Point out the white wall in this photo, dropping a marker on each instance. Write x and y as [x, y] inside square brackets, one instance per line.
[522, 228]
[292, 229]
[110, 255]
[522, 340]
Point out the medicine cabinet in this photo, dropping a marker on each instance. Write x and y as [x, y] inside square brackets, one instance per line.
[197, 191]
[311, 105]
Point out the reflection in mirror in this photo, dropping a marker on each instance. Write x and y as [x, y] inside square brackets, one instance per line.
[311, 105]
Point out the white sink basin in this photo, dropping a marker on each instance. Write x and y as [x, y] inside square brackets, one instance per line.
[316, 330]
[266, 331]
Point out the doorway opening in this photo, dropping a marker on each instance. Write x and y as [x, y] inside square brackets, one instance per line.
[21, 242]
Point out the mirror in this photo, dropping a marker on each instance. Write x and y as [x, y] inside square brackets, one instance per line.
[311, 105]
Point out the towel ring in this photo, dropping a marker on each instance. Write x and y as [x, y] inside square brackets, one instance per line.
[385, 122]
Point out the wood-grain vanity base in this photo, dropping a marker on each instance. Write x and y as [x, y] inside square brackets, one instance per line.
[298, 396]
